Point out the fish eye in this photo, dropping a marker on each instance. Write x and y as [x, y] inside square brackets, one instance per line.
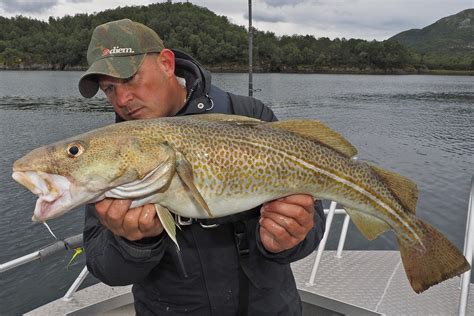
[74, 150]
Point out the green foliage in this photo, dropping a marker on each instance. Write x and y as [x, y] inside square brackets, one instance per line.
[445, 44]
[211, 39]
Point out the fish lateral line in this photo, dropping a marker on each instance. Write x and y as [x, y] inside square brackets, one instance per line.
[312, 167]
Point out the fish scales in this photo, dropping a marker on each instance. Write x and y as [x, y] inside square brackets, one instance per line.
[261, 160]
[216, 165]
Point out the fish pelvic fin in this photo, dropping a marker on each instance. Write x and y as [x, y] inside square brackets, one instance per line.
[317, 131]
[431, 262]
[370, 226]
[403, 188]
[185, 173]
[167, 221]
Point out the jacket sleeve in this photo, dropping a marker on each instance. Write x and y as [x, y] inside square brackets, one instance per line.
[306, 246]
[115, 260]
[251, 107]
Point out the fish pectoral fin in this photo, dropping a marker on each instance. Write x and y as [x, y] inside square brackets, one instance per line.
[157, 179]
[370, 226]
[405, 189]
[317, 131]
[185, 173]
[167, 221]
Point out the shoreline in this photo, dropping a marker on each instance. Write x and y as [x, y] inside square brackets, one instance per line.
[284, 70]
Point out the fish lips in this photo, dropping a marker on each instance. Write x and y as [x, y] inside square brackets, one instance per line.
[54, 193]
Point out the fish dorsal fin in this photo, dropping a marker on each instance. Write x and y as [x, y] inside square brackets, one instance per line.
[405, 189]
[218, 117]
[315, 130]
[370, 226]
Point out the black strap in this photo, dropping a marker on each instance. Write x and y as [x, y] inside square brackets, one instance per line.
[242, 216]
[242, 243]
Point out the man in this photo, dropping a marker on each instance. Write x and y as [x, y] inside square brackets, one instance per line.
[226, 266]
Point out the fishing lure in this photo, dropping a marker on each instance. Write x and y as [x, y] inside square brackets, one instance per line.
[77, 252]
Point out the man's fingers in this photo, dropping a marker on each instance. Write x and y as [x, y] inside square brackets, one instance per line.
[103, 206]
[130, 221]
[305, 200]
[133, 224]
[269, 241]
[148, 219]
[285, 222]
[289, 224]
[116, 212]
[297, 212]
[278, 234]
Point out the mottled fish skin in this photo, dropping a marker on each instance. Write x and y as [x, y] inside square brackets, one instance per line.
[238, 161]
[216, 165]
[248, 163]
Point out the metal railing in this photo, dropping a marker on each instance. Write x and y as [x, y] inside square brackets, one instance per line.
[322, 244]
[468, 244]
[75, 285]
[59, 246]
[69, 243]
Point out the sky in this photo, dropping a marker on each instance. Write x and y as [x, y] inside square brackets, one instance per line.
[364, 19]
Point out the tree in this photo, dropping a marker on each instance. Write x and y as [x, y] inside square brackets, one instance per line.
[208, 37]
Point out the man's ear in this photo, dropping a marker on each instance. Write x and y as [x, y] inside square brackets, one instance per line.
[166, 60]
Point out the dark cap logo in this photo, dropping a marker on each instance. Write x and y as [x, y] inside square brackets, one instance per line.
[105, 52]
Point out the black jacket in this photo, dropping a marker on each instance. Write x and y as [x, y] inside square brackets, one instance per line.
[204, 278]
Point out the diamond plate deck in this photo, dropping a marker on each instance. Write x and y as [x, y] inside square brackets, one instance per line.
[93, 300]
[359, 283]
[375, 280]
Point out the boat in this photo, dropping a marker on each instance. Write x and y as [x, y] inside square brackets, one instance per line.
[362, 282]
[330, 282]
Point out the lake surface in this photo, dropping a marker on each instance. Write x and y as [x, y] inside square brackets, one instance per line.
[419, 126]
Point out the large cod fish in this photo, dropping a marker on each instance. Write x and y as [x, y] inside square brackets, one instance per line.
[215, 165]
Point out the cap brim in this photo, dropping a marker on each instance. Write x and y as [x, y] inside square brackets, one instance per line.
[117, 67]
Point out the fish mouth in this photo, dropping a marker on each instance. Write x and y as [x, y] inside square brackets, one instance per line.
[54, 193]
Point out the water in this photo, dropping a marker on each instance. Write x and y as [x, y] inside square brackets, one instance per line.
[418, 126]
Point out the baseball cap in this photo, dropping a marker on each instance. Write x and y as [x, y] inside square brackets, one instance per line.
[117, 49]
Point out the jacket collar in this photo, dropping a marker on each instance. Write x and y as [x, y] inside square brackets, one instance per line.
[198, 83]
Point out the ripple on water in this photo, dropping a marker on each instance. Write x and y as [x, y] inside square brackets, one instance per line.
[76, 104]
[418, 126]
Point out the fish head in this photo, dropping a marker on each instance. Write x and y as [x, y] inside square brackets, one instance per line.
[80, 170]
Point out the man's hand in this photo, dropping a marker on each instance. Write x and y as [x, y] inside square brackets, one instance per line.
[285, 222]
[132, 224]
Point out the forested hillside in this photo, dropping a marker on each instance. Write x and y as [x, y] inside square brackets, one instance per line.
[447, 43]
[62, 43]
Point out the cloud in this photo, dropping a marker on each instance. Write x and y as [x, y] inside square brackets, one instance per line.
[320, 18]
[266, 16]
[282, 3]
[28, 6]
[354, 19]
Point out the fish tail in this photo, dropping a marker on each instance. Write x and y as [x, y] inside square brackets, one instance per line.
[433, 260]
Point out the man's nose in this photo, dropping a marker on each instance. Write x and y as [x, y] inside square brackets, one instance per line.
[123, 95]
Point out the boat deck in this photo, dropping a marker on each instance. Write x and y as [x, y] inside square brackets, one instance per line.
[374, 281]
[359, 283]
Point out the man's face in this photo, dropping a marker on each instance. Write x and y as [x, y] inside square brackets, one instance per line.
[147, 94]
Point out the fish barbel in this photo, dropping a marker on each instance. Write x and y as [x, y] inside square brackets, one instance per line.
[215, 165]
